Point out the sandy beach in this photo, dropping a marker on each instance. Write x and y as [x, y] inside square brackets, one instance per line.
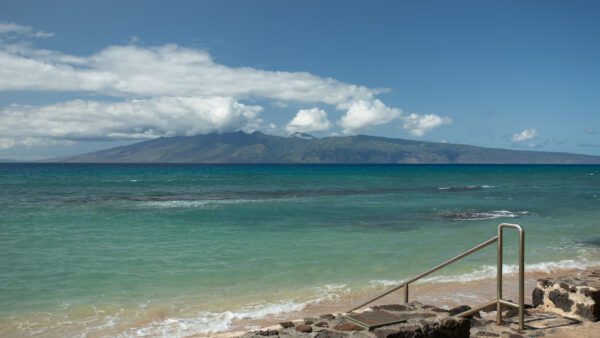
[441, 294]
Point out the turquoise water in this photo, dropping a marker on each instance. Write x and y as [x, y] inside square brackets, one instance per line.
[105, 244]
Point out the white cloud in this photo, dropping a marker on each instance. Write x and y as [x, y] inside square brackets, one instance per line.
[309, 120]
[163, 71]
[365, 113]
[418, 125]
[13, 29]
[132, 119]
[524, 135]
[169, 90]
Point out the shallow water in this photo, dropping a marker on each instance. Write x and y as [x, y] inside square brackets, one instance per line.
[181, 249]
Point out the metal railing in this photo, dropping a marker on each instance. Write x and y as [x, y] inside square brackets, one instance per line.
[499, 302]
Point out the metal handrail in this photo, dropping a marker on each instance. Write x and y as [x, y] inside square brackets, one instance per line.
[498, 301]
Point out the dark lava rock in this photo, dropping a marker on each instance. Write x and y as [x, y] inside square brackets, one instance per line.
[512, 312]
[561, 300]
[267, 333]
[399, 332]
[591, 312]
[330, 334]
[287, 325]
[487, 334]
[304, 328]
[538, 297]
[309, 321]
[327, 316]
[455, 328]
[456, 310]
[322, 324]
[348, 327]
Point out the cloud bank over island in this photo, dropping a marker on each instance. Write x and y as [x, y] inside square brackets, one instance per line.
[171, 90]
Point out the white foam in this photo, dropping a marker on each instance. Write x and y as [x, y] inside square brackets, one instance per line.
[208, 204]
[467, 187]
[489, 271]
[383, 282]
[477, 216]
[211, 322]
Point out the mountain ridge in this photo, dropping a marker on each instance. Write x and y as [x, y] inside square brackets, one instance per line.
[257, 147]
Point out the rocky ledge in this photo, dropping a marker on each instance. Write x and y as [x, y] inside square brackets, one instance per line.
[410, 320]
[572, 296]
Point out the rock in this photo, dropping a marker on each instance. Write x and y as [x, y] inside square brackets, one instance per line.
[538, 297]
[348, 327]
[327, 316]
[511, 312]
[330, 334]
[577, 296]
[287, 325]
[487, 334]
[304, 328]
[322, 324]
[309, 321]
[455, 328]
[399, 332]
[459, 309]
[267, 333]
[561, 299]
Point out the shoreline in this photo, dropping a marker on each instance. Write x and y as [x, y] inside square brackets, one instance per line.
[438, 291]
[444, 294]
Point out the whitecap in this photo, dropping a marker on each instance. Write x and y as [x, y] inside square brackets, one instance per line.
[478, 216]
[489, 271]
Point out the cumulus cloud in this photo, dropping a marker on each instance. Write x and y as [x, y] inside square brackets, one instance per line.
[365, 113]
[170, 90]
[418, 125]
[168, 70]
[309, 120]
[525, 135]
[15, 30]
[132, 119]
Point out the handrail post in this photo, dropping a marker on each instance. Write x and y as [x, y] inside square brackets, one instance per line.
[406, 293]
[521, 274]
[499, 276]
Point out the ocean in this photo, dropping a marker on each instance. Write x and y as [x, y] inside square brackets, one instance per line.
[174, 250]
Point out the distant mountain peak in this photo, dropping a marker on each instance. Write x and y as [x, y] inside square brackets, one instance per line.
[257, 147]
[303, 136]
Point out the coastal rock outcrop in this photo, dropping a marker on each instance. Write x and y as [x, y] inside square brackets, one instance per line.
[570, 296]
[401, 320]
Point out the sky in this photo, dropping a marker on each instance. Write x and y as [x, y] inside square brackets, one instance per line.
[79, 76]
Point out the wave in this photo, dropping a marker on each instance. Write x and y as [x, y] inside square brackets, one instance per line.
[464, 188]
[207, 204]
[489, 271]
[477, 216]
[210, 322]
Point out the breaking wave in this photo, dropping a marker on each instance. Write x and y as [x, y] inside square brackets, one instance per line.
[464, 188]
[489, 271]
[476, 216]
[210, 322]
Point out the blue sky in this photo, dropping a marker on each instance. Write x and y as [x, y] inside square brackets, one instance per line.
[77, 76]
